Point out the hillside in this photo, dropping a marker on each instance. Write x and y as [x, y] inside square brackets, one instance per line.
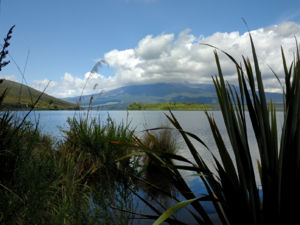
[20, 96]
[121, 98]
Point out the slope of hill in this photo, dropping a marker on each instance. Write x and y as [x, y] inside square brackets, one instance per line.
[20, 96]
[121, 98]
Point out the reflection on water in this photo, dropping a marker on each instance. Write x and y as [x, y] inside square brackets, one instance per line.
[166, 141]
[52, 122]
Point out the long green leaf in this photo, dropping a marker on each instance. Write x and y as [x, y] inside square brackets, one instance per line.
[171, 211]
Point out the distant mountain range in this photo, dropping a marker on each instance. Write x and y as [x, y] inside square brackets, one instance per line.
[122, 97]
[20, 96]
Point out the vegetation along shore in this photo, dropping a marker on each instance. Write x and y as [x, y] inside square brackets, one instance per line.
[100, 173]
[168, 105]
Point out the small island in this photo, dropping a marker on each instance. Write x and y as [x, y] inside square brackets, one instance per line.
[169, 105]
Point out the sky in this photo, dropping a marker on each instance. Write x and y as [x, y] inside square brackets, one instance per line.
[141, 41]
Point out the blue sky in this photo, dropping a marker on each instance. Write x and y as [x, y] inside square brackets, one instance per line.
[143, 41]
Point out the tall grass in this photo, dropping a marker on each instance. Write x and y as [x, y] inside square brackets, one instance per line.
[166, 141]
[79, 180]
[111, 177]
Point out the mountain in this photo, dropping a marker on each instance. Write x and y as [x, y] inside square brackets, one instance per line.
[122, 97]
[20, 96]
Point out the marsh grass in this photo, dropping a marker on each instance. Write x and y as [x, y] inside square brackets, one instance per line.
[166, 141]
[79, 180]
[39, 185]
[111, 178]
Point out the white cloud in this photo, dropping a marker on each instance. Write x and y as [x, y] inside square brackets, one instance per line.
[9, 77]
[153, 48]
[70, 85]
[166, 58]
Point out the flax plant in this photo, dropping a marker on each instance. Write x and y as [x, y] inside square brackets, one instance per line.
[234, 191]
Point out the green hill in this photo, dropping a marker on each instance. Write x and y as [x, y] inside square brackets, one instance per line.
[21, 97]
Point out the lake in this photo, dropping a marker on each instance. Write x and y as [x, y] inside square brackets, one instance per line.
[52, 122]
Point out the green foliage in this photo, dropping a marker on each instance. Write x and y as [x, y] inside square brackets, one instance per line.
[111, 177]
[80, 180]
[238, 197]
[173, 210]
[38, 185]
[97, 139]
[67, 183]
[90, 177]
[168, 105]
[164, 140]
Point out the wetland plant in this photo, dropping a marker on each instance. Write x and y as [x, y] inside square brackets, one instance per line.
[233, 189]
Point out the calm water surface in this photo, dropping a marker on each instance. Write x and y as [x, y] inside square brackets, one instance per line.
[52, 122]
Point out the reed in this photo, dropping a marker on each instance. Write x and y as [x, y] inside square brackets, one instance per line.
[79, 180]
[110, 178]
[166, 141]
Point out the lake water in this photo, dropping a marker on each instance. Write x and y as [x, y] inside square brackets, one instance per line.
[51, 122]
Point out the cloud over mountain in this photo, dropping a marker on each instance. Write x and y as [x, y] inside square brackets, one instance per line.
[184, 58]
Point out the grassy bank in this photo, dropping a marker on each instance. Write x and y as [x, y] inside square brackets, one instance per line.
[168, 105]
